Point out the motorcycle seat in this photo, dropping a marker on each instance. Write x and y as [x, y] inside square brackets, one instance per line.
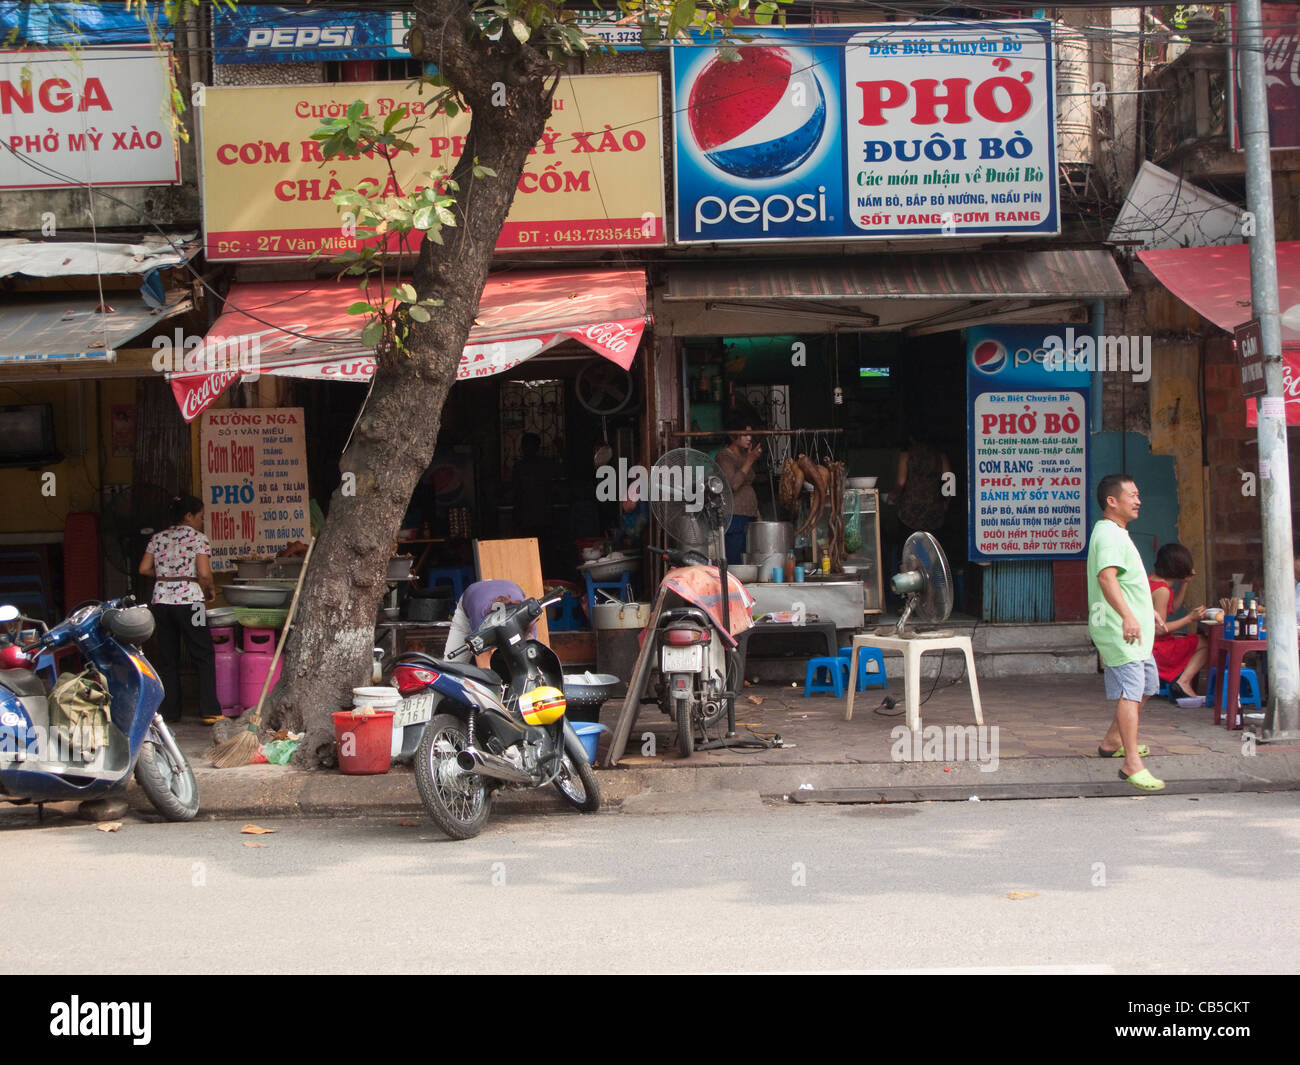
[22, 682]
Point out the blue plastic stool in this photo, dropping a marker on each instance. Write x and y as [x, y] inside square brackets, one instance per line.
[1164, 689]
[453, 575]
[1249, 679]
[867, 679]
[836, 668]
[623, 586]
[566, 615]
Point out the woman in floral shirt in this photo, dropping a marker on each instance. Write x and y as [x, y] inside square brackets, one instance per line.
[178, 560]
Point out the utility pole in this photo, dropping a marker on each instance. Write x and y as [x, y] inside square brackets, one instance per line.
[1282, 718]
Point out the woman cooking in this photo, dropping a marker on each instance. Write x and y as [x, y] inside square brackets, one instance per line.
[1179, 658]
[178, 560]
[736, 461]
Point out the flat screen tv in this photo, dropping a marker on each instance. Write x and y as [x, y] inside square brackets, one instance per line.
[27, 434]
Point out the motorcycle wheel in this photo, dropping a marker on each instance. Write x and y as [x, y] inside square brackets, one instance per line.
[577, 783]
[685, 726]
[170, 787]
[459, 803]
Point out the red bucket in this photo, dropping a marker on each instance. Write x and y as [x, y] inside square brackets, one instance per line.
[365, 741]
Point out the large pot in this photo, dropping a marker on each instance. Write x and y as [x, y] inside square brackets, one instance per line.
[427, 608]
[769, 537]
[621, 615]
[399, 567]
[766, 563]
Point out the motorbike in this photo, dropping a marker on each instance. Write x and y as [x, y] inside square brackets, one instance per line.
[494, 728]
[697, 654]
[42, 762]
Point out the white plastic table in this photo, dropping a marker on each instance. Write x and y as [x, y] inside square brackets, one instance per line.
[912, 648]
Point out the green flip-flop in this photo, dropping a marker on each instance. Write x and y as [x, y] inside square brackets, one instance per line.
[1118, 752]
[1142, 780]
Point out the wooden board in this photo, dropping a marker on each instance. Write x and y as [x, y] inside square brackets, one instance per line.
[513, 560]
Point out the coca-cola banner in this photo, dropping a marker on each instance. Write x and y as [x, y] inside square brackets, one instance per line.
[253, 468]
[1290, 389]
[1281, 28]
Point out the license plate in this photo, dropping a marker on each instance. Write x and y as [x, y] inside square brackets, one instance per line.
[681, 659]
[414, 710]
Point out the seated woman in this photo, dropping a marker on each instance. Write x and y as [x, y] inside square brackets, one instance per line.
[1179, 658]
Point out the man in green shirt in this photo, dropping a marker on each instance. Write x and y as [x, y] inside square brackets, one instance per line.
[1121, 622]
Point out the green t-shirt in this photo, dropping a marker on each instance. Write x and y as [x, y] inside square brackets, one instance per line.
[1111, 547]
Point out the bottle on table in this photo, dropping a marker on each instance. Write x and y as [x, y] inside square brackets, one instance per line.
[1252, 621]
[1239, 623]
[789, 567]
[1263, 632]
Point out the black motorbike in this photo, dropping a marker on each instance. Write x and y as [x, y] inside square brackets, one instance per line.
[502, 727]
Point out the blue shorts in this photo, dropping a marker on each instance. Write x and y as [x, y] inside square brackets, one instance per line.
[1133, 681]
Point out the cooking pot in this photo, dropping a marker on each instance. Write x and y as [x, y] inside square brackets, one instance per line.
[399, 568]
[426, 608]
[621, 615]
[766, 563]
[769, 538]
[252, 569]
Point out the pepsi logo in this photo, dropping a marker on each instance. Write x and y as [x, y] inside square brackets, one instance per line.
[989, 356]
[758, 117]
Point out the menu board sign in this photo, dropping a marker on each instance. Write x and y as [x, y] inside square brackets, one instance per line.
[1028, 446]
[254, 481]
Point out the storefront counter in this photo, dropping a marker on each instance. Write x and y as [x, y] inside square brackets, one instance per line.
[840, 601]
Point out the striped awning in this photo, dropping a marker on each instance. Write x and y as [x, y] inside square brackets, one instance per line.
[1066, 274]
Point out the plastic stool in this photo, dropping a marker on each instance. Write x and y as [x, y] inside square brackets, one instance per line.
[563, 616]
[837, 668]
[867, 679]
[453, 575]
[623, 586]
[1249, 679]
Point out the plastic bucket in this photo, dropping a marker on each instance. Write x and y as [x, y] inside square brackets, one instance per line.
[365, 741]
[380, 699]
[589, 733]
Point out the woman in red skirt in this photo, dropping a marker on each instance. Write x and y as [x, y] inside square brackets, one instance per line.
[1179, 658]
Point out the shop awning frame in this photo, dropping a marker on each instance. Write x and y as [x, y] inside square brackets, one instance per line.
[1077, 274]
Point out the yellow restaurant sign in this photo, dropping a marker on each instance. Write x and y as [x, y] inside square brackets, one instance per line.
[594, 180]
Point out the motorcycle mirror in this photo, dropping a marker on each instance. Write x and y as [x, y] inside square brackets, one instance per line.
[8, 613]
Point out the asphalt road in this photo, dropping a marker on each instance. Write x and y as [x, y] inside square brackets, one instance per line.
[1206, 884]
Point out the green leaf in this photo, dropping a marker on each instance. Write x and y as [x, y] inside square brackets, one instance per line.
[423, 218]
[373, 333]
[449, 219]
[395, 118]
[435, 235]
[521, 31]
[407, 294]
[365, 308]
[487, 171]
[355, 111]
[421, 315]
[453, 109]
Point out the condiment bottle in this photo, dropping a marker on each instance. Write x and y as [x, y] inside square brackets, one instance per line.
[1239, 627]
[789, 567]
[826, 564]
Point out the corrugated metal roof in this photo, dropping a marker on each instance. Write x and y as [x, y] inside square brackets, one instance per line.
[46, 330]
[1073, 273]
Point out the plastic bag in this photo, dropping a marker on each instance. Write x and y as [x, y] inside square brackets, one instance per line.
[278, 752]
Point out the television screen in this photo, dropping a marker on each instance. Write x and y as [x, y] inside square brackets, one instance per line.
[27, 433]
[874, 376]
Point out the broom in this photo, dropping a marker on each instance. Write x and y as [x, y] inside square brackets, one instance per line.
[239, 750]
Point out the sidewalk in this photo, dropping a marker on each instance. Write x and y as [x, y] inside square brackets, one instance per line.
[1046, 741]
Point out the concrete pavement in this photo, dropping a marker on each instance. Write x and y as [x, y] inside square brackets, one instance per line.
[1045, 745]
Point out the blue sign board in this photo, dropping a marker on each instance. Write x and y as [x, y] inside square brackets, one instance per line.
[1027, 419]
[261, 33]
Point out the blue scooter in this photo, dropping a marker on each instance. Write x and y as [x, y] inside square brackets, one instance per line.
[42, 761]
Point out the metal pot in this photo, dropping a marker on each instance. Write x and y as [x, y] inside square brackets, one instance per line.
[621, 615]
[399, 568]
[769, 537]
[766, 563]
[426, 608]
[250, 569]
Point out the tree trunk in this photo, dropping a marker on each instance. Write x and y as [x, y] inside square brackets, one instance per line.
[329, 650]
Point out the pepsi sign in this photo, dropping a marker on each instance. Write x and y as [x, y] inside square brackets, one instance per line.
[843, 132]
[263, 33]
[757, 146]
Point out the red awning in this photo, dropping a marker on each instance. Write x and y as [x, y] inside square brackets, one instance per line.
[302, 329]
[1215, 282]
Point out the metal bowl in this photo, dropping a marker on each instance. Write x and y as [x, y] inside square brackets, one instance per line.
[588, 689]
[257, 595]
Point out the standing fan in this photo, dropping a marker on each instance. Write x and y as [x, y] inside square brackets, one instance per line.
[925, 582]
[130, 519]
[692, 501]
